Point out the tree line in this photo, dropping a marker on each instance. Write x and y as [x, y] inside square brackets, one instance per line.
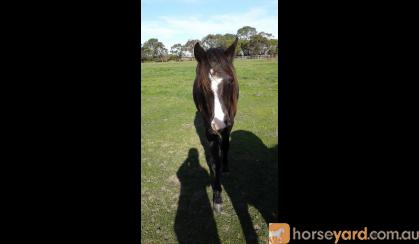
[250, 43]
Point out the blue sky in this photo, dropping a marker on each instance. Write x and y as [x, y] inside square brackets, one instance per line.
[176, 21]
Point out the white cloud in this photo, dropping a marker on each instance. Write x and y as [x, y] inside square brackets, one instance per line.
[171, 30]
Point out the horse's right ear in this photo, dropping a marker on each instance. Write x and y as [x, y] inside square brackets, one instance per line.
[199, 52]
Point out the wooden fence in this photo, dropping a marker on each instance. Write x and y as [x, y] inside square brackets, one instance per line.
[257, 57]
[239, 57]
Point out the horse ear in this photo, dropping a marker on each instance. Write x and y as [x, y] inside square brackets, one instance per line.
[199, 52]
[230, 52]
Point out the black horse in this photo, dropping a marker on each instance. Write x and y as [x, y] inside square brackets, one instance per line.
[216, 93]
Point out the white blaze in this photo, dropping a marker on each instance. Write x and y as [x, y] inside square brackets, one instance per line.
[218, 111]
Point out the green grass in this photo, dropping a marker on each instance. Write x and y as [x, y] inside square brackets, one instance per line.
[175, 186]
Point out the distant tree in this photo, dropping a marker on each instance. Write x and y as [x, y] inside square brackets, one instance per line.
[176, 51]
[218, 40]
[146, 53]
[266, 35]
[189, 45]
[250, 43]
[172, 57]
[239, 49]
[151, 46]
[162, 53]
[258, 45]
[246, 32]
[273, 47]
[155, 49]
[228, 39]
[142, 53]
[212, 41]
[245, 47]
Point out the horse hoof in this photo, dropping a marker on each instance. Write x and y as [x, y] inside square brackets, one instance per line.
[217, 207]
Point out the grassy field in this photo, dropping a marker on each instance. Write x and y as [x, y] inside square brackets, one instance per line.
[176, 194]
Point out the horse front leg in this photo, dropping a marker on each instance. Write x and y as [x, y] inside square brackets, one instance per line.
[215, 150]
[225, 146]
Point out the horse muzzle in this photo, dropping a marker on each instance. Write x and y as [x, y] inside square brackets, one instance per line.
[219, 125]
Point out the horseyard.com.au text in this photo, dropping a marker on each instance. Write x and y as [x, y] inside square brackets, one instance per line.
[364, 234]
[282, 233]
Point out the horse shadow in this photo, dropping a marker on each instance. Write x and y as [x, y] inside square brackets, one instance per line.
[194, 222]
[253, 178]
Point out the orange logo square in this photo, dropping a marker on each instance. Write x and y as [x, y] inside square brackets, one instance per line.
[279, 233]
